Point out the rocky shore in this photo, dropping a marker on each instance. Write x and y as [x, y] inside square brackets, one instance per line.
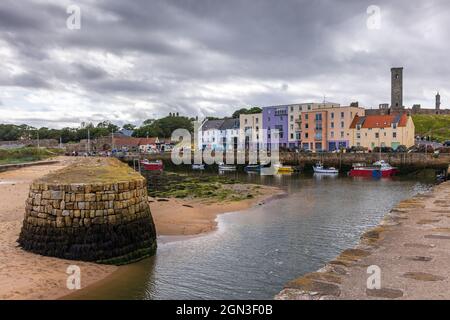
[410, 249]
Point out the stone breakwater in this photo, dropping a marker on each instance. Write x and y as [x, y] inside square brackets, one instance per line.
[107, 222]
[410, 248]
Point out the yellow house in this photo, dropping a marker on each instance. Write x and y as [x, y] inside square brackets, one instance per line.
[250, 130]
[382, 130]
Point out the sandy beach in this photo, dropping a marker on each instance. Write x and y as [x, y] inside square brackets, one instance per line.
[180, 217]
[25, 275]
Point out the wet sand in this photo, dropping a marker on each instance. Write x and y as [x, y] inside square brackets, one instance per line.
[410, 249]
[180, 217]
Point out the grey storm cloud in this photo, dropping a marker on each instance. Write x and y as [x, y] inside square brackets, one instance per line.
[210, 57]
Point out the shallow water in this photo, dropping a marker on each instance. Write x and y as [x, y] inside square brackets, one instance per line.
[254, 253]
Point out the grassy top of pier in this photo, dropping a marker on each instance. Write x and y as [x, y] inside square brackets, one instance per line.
[92, 170]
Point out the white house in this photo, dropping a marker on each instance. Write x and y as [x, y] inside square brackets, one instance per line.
[219, 134]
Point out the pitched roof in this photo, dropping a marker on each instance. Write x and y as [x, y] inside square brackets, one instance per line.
[212, 125]
[230, 124]
[380, 121]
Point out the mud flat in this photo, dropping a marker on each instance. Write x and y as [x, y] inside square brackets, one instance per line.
[411, 248]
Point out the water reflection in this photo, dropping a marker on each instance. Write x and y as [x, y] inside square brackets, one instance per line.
[254, 253]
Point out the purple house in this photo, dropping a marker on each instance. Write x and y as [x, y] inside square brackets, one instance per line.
[275, 118]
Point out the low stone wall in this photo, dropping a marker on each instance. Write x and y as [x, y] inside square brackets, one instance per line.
[103, 222]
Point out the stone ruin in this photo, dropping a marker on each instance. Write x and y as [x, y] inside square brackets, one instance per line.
[96, 210]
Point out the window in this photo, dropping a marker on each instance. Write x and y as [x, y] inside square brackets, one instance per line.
[245, 121]
[342, 124]
[306, 126]
[292, 118]
[358, 135]
[385, 134]
[292, 127]
[342, 134]
[292, 136]
[332, 124]
[306, 116]
[318, 117]
[332, 134]
[377, 135]
[342, 114]
[268, 119]
[306, 135]
[358, 127]
[309, 107]
[332, 115]
[318, 146]
[257, 120]
[394, 134]
[292, 109]
[394, 125]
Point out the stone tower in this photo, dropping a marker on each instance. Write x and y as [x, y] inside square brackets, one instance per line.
[396, 89]
[438, 102]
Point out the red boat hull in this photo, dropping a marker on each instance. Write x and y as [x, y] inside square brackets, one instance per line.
[373, 173]
[152, 166]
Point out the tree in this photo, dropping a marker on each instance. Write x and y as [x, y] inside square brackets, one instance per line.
[164, 127]
[129, 126]
[252, 110]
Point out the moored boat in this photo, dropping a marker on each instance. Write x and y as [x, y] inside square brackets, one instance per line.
[198, 167]
[152, 165]
[283, 169]
[226, 167]
[319, 168]
[253, 168]
[377, 170]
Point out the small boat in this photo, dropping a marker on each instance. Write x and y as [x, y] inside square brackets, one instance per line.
[319, 168]
[253, 168]
[283, 169]
[198, 167]
[152, 165]
[377, 170]
[226, 167]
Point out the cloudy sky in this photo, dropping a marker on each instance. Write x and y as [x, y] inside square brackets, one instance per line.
[138, 59]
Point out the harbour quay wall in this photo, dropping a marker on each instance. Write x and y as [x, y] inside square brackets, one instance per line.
[411, 161]
[107, 223]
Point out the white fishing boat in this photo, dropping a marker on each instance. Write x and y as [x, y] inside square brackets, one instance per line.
[319, 168]
[198, 167]
[226, 167]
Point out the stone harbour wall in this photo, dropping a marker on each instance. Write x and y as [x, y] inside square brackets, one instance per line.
[104, 222]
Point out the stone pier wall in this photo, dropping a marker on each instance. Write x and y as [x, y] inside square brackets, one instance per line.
[103, 222]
